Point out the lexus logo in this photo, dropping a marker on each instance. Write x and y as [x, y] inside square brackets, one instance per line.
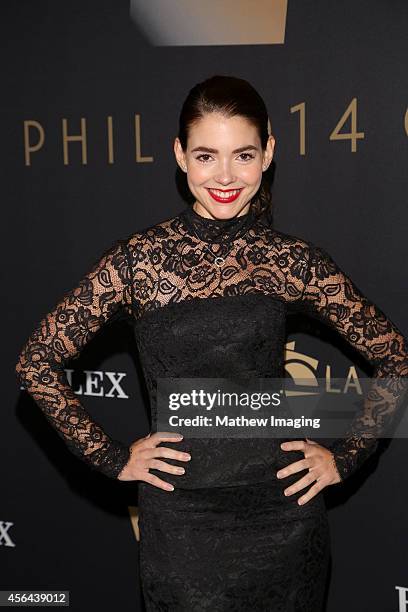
[100, 384]
[5, 539]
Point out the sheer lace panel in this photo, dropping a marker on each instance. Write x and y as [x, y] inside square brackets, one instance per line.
[171, 265]
[331, 296]
[101, 295]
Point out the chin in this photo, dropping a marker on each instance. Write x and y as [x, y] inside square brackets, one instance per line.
[225, 211]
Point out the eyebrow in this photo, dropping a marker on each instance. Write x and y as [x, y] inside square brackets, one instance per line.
[239, 150]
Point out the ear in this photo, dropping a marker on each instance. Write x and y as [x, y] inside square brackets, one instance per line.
[179, 153]
[268, 153]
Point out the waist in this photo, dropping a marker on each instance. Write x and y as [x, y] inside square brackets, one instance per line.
[224, 462]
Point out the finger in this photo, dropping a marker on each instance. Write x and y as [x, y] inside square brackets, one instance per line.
[317, 487]
[165, 436]
[300, 484]
[158, 482]
[297, 466]
[167, 453]
[294, 445]
[166, 467]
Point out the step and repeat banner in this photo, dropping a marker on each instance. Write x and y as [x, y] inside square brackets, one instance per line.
[91, 96]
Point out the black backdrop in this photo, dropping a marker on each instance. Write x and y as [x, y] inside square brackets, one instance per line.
[63, 527]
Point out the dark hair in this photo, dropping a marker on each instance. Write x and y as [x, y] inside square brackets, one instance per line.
[229, 96]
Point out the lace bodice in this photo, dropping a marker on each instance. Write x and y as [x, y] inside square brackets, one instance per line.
[157, 269]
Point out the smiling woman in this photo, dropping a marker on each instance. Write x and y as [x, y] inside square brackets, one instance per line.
[208, 291]
[227, 174]
[226, 151]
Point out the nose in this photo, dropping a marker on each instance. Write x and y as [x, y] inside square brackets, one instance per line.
[224, 174]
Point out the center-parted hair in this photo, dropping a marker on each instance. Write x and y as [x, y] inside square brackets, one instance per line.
[229, 96]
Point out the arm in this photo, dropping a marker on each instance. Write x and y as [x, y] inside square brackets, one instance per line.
[331, 296]
[102, 294]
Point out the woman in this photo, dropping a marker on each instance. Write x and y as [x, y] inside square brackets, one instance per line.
[226, 524]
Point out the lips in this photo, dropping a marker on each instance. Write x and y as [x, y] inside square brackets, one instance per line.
[224, 195]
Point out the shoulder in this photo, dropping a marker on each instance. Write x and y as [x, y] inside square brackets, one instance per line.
[302, 258]
[312, 262]
[300, 246]
[293, 244]
[155, 232]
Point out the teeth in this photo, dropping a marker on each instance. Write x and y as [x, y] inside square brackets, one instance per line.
[224, 194]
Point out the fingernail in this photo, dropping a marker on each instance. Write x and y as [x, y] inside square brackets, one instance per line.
[170, 487]
[181, 470]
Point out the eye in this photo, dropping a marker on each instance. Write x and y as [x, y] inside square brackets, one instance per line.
[248, 156]
[200, 157]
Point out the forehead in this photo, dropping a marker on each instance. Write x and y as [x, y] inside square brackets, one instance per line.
[215, 129]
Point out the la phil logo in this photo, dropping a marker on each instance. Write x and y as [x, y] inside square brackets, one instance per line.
[35, 137]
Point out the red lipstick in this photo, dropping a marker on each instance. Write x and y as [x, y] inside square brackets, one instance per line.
[234, 193]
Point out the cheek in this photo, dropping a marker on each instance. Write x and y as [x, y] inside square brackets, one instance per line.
[198, 174]
[251, 175]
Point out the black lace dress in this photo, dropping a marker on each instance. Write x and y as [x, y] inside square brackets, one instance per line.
[226, 538]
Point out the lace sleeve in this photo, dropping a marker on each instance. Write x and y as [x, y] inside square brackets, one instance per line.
[101, 295]
[331, 296]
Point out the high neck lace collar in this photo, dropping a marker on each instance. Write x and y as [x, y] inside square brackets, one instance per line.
[217, 230]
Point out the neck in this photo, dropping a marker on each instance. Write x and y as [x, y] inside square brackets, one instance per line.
[215, 230]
